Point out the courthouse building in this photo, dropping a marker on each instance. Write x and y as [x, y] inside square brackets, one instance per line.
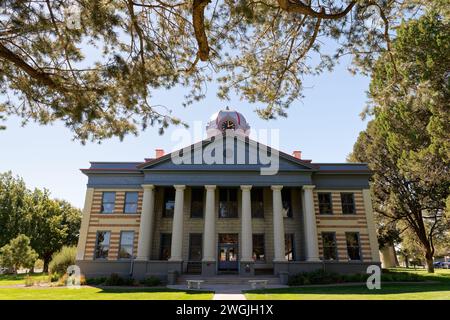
[226, 205]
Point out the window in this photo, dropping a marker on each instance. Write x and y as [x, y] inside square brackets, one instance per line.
[131, 202]
[195, 247]
[348, 203]
[289, 247]
[228, 207]
[108, 200]
[329, 246]
[258, 247]
[197, 202]
[166, 243]
[353, 249]
[325, 205]
[102, 244]
[169, 202]
[286, 200]
[257, 196]
[126, 245]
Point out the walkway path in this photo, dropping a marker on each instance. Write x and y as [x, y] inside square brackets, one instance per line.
[225, 291]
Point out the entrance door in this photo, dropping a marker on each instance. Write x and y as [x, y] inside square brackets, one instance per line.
[228, 252]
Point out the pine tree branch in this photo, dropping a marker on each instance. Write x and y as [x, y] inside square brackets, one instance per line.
[297, 6]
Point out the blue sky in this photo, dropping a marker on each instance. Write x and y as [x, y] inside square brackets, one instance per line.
[324, 126]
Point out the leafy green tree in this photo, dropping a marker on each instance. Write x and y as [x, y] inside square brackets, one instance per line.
[50, 224]
[407, 144]
[95, 64]
[18, 254]
[14, 206]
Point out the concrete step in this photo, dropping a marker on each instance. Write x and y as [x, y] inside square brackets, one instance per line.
[228, 279]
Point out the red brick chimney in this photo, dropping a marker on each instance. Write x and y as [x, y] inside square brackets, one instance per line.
[297, 154]
[159, 153]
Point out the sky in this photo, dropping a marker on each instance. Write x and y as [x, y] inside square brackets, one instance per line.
[324, 126]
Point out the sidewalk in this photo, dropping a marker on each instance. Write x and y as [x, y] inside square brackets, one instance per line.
[225, 291]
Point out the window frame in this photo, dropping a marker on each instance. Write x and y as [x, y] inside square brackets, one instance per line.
[97, 244]
[127, 245]
[320, 204]
[229, 203]
[346, 204]
[257, 214]
[166, 190]
[334, 246]
[169, 236]
[202, 192]
[190, 245]
[359, 246]
[125, 203]
[286, 254]
[287, 191]
[102, 208]
[254, 256]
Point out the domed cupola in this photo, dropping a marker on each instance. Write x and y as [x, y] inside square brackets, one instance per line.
[227, 120]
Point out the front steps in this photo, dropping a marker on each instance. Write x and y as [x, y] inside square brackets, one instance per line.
[228, 279]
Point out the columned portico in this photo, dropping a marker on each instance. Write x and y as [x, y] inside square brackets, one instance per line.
[146, 225]
[231, 222]
[246, 232]
[312, 249]
[278, 224]
[209, 233]
[177, 226]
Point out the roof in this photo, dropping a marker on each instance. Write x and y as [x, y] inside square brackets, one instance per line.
[139, 167]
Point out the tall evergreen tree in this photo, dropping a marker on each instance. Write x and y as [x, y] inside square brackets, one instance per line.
[407, 145]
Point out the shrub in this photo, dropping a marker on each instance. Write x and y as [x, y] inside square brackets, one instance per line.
[324, 277]
[96, 281]
[115, 280]
[54, 277]
[18, 254]
[62, 259]
[29, 282]
[151, 282]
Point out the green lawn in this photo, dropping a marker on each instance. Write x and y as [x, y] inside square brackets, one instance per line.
[91, 293]
[439, 289]
[389, 291]
[10, 280]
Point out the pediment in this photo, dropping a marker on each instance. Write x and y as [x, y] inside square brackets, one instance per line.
[228, 152]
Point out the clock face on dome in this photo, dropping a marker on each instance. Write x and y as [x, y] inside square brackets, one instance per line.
[228, 125]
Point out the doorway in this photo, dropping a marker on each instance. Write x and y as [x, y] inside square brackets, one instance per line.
[228, 252]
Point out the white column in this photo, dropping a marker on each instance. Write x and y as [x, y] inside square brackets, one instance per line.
[209, 232]
[246, 225]
[278, 225]
[177, 225]
[85, 223]
[146, 226]
[312, 248]
[371, 226]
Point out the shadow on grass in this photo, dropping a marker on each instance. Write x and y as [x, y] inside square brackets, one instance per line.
[386, 288]
[106, 289]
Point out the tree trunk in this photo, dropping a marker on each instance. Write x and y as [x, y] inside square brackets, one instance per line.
[429, 258]
[46, 262]
[406, 261]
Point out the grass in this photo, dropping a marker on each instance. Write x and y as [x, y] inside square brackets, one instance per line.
[440, 290]
[95, 293]
[15, 279]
